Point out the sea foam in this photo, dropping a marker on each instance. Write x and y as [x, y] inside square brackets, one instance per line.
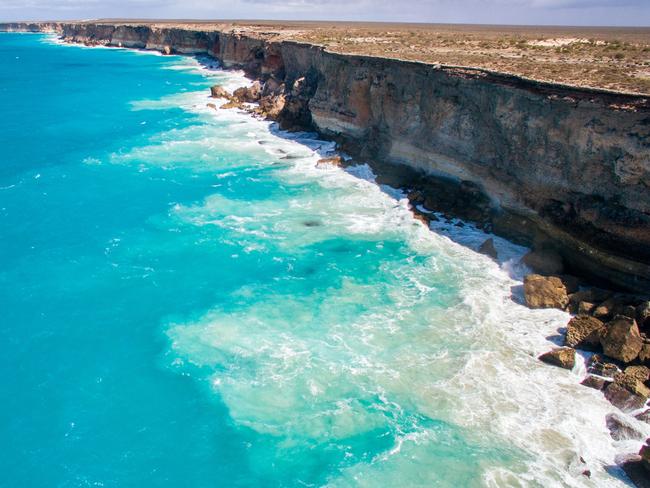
[421, 345]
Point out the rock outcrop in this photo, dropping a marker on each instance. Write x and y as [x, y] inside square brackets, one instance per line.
[249, 94]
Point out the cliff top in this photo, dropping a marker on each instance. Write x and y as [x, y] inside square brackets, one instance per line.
[610, 58]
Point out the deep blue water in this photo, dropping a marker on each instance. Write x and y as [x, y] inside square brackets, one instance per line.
[186, 300]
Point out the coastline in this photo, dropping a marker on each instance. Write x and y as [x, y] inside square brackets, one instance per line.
[573, 179]
[408, 177]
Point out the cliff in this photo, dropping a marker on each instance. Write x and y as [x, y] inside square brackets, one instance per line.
[561, 166]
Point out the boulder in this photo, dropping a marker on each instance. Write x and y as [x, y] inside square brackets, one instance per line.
[599, 365]
[488, 248]
[564, 357]
[639, 373]
[628, 391]
[211, 105]
[622, 428]
[624, 399]
[595, 382]
[604, 310]
[622, 340]
[546, 262]
[217, 91]
[633, 383]
[584, 332]
[545, 292]
[249, 94]
[166, 50]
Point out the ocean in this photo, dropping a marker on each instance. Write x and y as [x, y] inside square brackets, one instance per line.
[188, 300]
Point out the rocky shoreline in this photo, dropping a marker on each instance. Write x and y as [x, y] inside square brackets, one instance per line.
[613, 325]
[611, 312]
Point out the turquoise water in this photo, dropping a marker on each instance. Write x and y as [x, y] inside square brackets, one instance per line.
[187, 300]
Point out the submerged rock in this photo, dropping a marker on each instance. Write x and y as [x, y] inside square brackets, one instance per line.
[312, 223]
[545, 292]
[622, 340]
[584, 332]
[564, 357]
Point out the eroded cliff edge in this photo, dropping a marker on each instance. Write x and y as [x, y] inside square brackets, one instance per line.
[561, 166]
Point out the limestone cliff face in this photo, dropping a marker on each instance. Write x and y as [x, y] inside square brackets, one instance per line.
[567, 166]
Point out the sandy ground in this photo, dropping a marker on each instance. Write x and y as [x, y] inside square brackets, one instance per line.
[599, 57]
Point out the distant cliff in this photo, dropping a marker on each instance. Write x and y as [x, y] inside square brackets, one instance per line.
[562, 166]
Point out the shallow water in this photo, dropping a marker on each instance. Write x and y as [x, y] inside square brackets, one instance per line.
[187, 300]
